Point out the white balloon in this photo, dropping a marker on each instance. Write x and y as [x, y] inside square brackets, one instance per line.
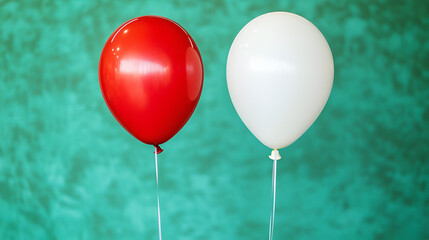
[280, 72]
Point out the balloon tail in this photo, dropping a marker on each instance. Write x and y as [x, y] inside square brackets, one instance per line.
[274, 156]
[157, 148]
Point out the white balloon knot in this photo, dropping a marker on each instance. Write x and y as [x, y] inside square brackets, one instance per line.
[275, 155]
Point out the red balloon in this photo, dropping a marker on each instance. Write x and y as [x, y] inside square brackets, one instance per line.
[151, 77]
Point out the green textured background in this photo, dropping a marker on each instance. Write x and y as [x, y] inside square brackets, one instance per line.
[69, 171]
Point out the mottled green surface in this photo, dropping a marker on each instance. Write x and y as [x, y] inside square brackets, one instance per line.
[69, 171]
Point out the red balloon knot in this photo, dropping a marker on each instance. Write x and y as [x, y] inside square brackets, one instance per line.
[158, 149]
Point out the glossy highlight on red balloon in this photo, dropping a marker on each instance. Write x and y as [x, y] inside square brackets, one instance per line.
[151, 77]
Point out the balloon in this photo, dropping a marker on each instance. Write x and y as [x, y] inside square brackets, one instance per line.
[151, 77]
[280, 73]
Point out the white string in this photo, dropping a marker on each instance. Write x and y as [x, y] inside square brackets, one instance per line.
[273, 197]
[157, 193]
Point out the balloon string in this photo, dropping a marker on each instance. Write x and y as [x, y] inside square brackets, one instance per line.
[273, 197]
[157, 192]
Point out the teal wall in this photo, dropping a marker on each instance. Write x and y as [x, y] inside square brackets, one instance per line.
[69, 171]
